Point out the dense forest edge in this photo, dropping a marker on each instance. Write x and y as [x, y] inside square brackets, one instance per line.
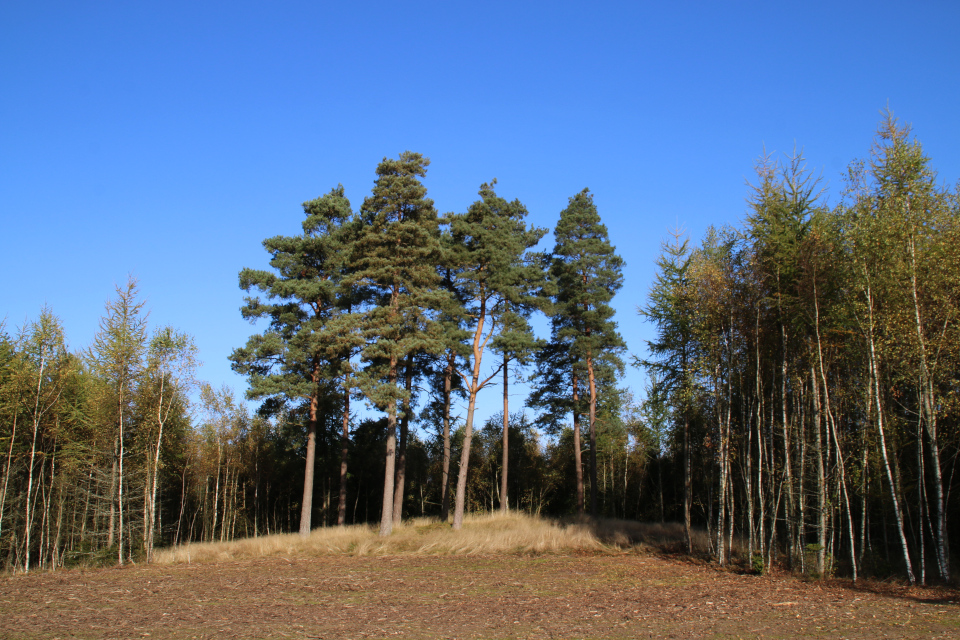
[801, 405]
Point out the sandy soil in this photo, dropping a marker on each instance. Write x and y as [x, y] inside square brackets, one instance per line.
[547, 596]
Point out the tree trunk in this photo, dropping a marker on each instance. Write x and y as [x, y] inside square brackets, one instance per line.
[306, 506]
[386, 510]
[28, 517]
[504, 499]
[152, 515]
[593, 435]
[821, 477]
[401, 471]
[875, 372]
[461, 495]
[790, 505]
[836, 438]
[928, 412]
[577, 460]
[111, 525]
[344, 450]
[8, 466]
[474, 386]
[120, 485]
[445, 480]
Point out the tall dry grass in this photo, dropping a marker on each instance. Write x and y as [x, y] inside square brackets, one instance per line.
[493, 533]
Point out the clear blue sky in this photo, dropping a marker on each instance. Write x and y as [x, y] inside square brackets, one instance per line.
[167, 140]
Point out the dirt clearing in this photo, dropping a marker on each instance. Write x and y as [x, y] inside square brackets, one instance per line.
[506, 596]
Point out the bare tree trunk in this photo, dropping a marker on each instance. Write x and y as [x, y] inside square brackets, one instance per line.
[577, 460]
[883, 444]
[120, 485]
[821, 477]
[152, 476]
[344, 450]
[749, 479]
[461, 496]
[7, 467]
[593, 435]
[760, 457]
[790, 505]
[306, 506]
[922, 503]
[58, 550]
[687, 483]
[183, 499]
[111, 526]
[836, 438]
[929, 414]
[474, 385]
[386, 509]
[401, 470]
[216, 493]
[445, 486]
[504, 496]
[225, 519]
[28, 517]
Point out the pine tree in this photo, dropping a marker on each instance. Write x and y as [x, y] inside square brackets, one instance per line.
[394, 262]
[492, 278]
[302, 346]
[587, 274]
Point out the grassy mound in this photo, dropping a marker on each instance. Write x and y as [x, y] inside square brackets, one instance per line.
[493, 533]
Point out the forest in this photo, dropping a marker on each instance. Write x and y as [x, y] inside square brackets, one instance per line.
[801, 406]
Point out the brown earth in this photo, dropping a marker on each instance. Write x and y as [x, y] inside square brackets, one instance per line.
[546, 596]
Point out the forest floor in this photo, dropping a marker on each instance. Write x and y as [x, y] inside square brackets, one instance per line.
[582, 595]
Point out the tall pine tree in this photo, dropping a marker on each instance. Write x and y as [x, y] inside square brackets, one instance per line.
[394, 262]
[587, 274]
[290, 361]
[493, 277]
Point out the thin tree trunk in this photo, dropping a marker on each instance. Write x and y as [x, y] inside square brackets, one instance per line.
[821, 477]
[461, 495]
[749, 453]
[344, 450]
[504, 499]
[790, 505]
[28, 517]
[922, 500]
[120, 483]
[474, 386]
[7, 468]
[445, 480]
[883, 443]
[836, 438]
[930, 422]
[216, 494]
[401, 471]
[111, 526]
[593, 435]
[577, 461]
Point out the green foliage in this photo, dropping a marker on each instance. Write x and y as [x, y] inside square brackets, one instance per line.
[307, 297]
[587, 273]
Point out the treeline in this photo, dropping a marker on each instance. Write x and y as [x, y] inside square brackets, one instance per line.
[808, 363]
[801, 407]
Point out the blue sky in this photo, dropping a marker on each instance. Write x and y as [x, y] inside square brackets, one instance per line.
[167, 140]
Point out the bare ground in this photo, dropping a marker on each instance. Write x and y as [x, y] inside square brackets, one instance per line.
[628, 595]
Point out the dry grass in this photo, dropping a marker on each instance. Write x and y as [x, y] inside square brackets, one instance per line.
[481, 534]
